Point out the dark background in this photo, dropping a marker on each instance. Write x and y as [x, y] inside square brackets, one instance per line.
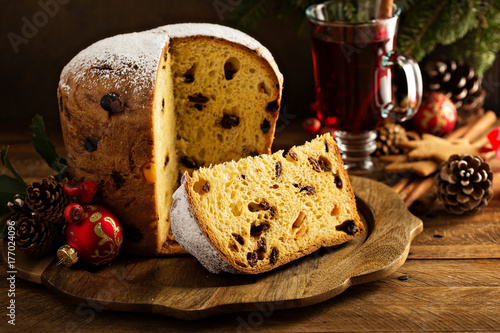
[62, 28]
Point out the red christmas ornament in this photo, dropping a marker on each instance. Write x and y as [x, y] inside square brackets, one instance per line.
[327, 129]
[95, 240]
[311, 125]
[437, 115]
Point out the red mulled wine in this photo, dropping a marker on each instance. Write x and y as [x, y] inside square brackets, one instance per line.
[351, 84]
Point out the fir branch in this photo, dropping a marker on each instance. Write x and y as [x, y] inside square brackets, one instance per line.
[425, 28]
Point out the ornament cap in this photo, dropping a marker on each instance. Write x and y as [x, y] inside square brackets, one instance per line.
[67, 255]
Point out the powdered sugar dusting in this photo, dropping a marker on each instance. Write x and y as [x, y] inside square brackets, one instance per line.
[131, 60]
[124, 60]
[188, 234]
[219, 31]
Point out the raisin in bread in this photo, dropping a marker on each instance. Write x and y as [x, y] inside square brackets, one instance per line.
[258, 213]
[137, 110]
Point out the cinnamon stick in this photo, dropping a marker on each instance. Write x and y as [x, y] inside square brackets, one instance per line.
[399, 186]
[406, 191]
[385, 10]
[481, 126]
[420, 189]
[496, 185]
[460, 132]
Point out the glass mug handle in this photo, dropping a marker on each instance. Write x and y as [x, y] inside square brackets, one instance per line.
[406, 86]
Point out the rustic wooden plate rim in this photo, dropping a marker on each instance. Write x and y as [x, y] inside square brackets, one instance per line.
[385, 247]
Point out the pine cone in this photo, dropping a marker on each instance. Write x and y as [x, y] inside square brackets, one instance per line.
[464, 184]
[48, 200]
[18, 206]
[459, 83]
[389, 136]
[34, 236]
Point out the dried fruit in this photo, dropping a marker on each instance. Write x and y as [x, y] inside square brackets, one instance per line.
[299, 220]
[278, 169]
[90, 144]
[314, 164]
[112, 103]
[252, 258]
[239, 239]
[206, 187]
[265, 126]
[229, 121]
[338, 182]
[198, 98]
[273, 106]
[118, 179]
[324, 164]
[272, 210]
[261, 245]
[263, 205]
[349, 227]
[257, 230]
[274, 255]
[309, 189]
[188, 162]
[292, 154]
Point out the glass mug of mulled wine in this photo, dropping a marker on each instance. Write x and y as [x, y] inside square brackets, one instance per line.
[359, 79]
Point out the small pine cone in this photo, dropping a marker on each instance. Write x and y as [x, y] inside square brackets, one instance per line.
[464, 184]
[48, 200]
[19, 206]
[389, 136]
[34, 236]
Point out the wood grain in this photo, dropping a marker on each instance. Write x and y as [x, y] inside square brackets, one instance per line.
[182, 288]
[439, 295]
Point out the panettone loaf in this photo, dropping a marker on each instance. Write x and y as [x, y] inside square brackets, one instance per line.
[137, 110]
[258, 213]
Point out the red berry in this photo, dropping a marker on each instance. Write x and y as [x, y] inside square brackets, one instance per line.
[73, 213]
[72, 188]
[327, 129]
[311, 125]
[87, 191]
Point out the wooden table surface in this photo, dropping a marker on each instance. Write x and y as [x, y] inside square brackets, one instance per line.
[450, 282]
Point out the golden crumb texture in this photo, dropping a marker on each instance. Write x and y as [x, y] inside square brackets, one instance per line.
[265, 211]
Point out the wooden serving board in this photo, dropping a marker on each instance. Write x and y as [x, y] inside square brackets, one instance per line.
[180, 287]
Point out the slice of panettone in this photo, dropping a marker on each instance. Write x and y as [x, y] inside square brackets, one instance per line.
[261, 212]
